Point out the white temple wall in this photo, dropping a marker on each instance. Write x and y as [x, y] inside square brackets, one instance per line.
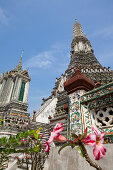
[70, 159]
[25, 98]
[15, 85]
[0, 86]
[10, 91]
[1, 92]
[48, 110]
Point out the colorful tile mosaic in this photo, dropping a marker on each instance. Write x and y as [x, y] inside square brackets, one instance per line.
[79, 115]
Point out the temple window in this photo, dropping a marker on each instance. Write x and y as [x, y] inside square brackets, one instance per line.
[21, 95]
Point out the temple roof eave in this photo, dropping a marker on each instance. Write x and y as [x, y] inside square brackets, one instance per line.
[78, 82]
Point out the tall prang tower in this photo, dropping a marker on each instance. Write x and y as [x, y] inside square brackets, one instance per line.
[82, 57]
[14, 87]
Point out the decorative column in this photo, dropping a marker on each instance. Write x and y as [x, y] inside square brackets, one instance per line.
[7, 90]
[4, 92]
[2, 86]
[25, 99]
[76, 86]
[17, 88]
[10, 90]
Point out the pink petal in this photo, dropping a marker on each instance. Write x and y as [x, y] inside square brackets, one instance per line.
[91, 140]
[99, 152]
[102, 136]
[52, 136]
[58, 128]
[60, 138]
[103, 149]
[58, 125]
[47, 147]
[85, 131]
[96, 131]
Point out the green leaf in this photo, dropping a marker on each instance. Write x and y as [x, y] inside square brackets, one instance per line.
[74, 135]
[41, 128]
[36, 135]
[67, 144]
[2, 120]
[31, 132]
[79, 148]
[36, 149]
[38, 131]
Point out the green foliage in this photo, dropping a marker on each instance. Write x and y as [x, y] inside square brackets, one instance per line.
[40, 128]
[25, 142]
[79, 148]
[3, 141]
[1, 121]
[36, 149]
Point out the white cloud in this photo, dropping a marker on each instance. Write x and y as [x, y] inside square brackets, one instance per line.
[3, 16]
[41, 60]
[55, 56]
[106, 32]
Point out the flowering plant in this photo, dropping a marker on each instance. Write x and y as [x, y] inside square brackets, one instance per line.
[29, 143]
[96, 140]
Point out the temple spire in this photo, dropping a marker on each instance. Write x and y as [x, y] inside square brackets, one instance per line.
[20, 62]
[77, 29]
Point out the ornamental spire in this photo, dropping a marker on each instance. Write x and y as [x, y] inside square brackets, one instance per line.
[77, 29]
[20, 62]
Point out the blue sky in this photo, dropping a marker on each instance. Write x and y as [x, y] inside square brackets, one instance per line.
[44, 29]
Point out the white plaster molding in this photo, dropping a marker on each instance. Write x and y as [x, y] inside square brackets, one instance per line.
[25, 99]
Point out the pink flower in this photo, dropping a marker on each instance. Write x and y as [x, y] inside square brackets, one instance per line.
[55, 136]
[47, 147]
[96, 140]
[22, 140]
[85, 131]
[60, 138]
[58, 128]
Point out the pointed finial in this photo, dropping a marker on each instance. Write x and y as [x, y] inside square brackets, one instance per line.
[19, 64]
[77, 29]
[0, 75]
